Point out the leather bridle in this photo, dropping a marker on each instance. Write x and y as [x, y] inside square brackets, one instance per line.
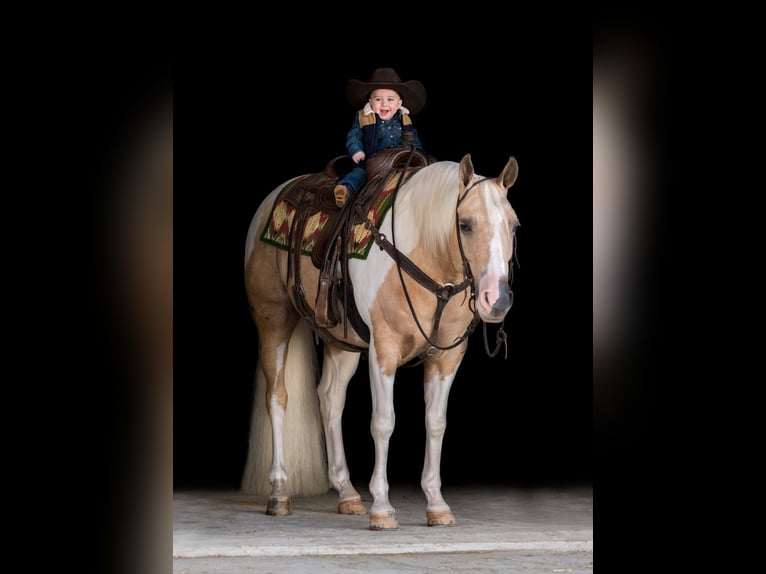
[443, 292]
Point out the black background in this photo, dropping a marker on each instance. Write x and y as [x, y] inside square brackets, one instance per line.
[259, 100]
[249, 119]
[256, 102]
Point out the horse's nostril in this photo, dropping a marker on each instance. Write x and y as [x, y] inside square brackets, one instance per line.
[504, 301]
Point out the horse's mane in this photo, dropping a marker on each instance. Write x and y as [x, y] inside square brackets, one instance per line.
[430, 200]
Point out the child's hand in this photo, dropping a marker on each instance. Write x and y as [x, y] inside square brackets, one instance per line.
[358, 156]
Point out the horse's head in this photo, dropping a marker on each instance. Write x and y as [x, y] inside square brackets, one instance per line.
[487, 226]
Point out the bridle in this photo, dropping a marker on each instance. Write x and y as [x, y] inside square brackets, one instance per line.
[501, 338]
[443, 292]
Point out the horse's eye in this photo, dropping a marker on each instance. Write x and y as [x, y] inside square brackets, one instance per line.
[465, 226]
[516, 226]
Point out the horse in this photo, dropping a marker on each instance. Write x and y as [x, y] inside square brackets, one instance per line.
[439, 262]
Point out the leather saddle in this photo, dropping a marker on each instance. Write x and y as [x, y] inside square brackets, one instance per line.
[313, 194]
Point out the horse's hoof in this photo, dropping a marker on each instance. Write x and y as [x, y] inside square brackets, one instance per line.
[352, 506]
[279, 506]
[383, 521]
[441, 518]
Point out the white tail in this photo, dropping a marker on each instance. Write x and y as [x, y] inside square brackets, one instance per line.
[305, 452]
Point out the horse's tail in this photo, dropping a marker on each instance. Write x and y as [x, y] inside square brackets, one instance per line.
[305, 453]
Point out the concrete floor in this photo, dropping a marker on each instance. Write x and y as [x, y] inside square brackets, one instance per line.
[500, 529]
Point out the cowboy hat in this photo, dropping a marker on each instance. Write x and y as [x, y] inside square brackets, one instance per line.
[413, 93]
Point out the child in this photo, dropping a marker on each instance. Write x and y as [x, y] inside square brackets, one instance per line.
[383, 122]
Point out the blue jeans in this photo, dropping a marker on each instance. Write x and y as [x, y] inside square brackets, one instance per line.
[354, 179]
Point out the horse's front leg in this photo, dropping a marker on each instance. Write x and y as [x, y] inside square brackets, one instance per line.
[382, 514]
[338, 368]
[436, 390]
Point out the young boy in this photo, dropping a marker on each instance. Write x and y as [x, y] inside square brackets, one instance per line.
[383, 122]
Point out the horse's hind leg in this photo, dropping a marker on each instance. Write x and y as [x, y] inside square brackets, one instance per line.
[275, 326]
[276, 397]
[338, 368]
[436, 390]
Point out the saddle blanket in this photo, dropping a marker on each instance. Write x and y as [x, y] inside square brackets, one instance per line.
[277, 229]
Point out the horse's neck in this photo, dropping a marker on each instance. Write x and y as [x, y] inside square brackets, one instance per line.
[443, 267]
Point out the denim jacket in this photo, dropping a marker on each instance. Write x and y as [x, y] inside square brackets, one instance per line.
[369, 133]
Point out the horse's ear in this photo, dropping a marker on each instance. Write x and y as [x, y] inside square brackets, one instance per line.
[466, 170]
[508, 176]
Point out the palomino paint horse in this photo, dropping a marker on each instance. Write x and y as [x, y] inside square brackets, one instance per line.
[444, 264]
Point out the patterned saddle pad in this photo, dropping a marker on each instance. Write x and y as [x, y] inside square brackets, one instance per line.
[277, 229]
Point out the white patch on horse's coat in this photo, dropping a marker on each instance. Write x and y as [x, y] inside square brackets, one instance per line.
[280, 356]
[382, 427]
[277, 413]
[366, 284]
[497, 266]
[338, 368]
[436, 390]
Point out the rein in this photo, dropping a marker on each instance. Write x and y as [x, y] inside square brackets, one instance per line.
[443, 292]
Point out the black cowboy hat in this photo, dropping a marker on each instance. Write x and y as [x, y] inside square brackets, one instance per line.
[413, 93]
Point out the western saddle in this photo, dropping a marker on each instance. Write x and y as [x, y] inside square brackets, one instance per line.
[314, 193]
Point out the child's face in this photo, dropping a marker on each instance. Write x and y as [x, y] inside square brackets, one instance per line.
[385, 103]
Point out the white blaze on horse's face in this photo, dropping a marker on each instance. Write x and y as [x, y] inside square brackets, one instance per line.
[489, 247]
